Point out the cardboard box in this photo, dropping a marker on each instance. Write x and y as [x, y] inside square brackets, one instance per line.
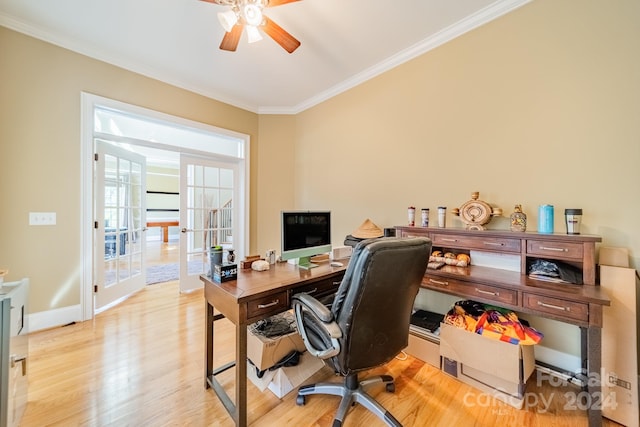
[283, 380]
[265, 352]
[498, 368]
[424, 348]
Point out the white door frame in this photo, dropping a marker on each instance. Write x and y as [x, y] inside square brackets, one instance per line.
[88, 103]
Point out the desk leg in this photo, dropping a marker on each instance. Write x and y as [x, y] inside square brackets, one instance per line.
[165, 234]
[592, 355]
[208, 345]
[241, 375]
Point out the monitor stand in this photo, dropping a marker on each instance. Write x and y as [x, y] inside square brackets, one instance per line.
[305, 263]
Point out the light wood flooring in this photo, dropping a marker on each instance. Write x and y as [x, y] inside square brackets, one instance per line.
[141, 364]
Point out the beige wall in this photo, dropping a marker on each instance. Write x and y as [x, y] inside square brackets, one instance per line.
[540, 106]
[40, 89]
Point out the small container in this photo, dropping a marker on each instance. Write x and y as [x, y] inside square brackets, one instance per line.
[425, 217]
[411, 214]
[270, 256]
[545, 219]
[442, 216]
[215, 258]
[573, 218]
[216, 255]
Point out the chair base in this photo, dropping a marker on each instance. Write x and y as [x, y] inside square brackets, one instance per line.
[352, 392]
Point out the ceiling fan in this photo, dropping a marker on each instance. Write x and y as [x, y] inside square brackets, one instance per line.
[249, 14]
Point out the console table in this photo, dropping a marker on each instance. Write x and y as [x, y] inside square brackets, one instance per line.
[165, 227]
[577, 304]
[256, 295]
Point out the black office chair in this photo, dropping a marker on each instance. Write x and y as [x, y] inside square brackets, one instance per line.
[368, 322]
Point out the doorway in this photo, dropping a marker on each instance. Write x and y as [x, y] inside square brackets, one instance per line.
[155, 136]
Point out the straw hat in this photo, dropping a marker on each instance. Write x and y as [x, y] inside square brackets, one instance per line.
[368, 230]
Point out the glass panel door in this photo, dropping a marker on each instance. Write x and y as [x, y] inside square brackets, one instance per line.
[207, 215]
[120, 223]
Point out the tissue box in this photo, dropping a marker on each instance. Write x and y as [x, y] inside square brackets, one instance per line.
[224, 272]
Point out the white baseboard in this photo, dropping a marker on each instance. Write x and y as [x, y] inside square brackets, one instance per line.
[566, 361]
[52, 318]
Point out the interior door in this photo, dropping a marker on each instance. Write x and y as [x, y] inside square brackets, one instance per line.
[120, 218]
[208, 189]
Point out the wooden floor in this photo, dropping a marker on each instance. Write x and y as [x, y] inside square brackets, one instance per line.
[141, 364]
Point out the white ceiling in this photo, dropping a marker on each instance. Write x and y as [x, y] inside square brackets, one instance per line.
[344, 42]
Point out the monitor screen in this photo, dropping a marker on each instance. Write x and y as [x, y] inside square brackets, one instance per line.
[305, 234]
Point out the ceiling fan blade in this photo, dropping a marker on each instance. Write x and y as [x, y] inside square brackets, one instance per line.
[283, 38]
[273, 3]
[231, 39]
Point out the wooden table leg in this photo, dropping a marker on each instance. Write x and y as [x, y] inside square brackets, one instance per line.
[241, 375]
[208, 346]
[592, 353]
[165, 234]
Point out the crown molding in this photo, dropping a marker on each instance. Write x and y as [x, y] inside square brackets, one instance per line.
[471, 22]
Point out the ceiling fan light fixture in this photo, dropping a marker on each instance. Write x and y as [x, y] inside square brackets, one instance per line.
[228, 19]
[252, 14]
[253, 35]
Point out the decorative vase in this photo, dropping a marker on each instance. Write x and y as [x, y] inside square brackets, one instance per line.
[518, 219]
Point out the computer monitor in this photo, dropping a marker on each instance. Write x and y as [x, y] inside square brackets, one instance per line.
[305, 234]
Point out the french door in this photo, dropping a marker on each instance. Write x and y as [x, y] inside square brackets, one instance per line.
[120, 218]
[209, 191]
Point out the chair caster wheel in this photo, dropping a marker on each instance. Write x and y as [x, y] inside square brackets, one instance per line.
[391, 388]
[300, 400]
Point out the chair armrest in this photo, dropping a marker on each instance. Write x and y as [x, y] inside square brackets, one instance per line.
[319, 310]
[323, 323]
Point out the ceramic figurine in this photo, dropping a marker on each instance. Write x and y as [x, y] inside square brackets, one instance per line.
[518, 219]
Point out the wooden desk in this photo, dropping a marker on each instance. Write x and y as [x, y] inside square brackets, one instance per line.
[256, 295]
[165, 227]
[579, 305]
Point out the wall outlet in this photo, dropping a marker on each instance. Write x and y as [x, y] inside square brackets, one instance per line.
[42, 218]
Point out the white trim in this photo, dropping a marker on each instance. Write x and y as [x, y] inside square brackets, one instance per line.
[80, 46]
[453, 31]
[489, 13]
[566, 361]
[88, 103]
[53, 318]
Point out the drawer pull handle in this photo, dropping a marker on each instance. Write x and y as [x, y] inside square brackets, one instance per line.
[494, 294]
[493, 244]
[555, 307]
[312, 291]
[271, 304]
[546, 248]
[438, 282]
[449, 240]
[337, 283]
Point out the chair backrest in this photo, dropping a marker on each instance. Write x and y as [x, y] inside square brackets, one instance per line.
[374, 302]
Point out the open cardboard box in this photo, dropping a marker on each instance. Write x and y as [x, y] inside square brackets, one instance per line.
[265, 352]
[282, 380]
[498, 368]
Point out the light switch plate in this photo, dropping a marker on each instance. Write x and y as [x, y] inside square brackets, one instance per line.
[42, 218]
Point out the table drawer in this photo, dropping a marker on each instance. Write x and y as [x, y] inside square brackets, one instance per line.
[477, 242]
[268, 305]
[555, 249]
[472, 290]
[556, 306]
[320, 288]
